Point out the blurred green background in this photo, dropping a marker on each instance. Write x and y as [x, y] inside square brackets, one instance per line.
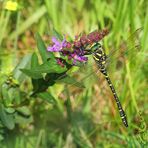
[92, 120]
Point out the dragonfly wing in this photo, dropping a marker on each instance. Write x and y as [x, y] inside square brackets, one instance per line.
[130, 48]
[132, 41]
[78, 79]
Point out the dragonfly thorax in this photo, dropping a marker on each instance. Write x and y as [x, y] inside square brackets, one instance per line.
[99, 56]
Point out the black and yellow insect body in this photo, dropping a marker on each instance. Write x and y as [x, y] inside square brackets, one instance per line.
[100, 57]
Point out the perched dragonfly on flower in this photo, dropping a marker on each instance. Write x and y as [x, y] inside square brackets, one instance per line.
[77, 51]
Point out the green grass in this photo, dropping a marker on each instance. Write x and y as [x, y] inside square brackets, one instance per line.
[82, 117]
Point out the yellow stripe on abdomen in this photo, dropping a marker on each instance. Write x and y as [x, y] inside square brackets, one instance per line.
[95, 58]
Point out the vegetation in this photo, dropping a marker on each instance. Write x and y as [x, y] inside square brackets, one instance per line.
[77, 110]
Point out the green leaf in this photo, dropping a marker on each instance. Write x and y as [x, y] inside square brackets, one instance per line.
[70, 80]
[24, 63]
[42, 48]
[47, 97]
[35, 64]
[24, 111]
[39, 85]
[15, 95]
[4, 93]
[34, 60]
[7, 119]
[23, 115]
[57, 35]
[32, 73]
[50, 66]
[10, 110]
[22, 120]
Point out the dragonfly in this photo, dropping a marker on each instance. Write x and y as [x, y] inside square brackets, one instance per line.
[102, 59]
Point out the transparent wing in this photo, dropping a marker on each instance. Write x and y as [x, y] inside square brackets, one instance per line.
[128, 48]
[80, 74]
[116, 56]
[131, 42]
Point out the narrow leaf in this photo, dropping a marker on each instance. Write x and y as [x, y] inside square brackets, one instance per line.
[57, 35]
[34, 60]
[35, 64]
[47, 97]
[42, 48]
[24, 63]
[47, 67]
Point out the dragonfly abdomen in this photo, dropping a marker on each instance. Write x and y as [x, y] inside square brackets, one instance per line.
[99, 57]
[121, 111]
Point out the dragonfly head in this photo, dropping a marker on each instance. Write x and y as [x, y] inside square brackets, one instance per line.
[96, 47]
[90, 49]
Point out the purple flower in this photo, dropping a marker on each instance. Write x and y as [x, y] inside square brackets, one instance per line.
[80, 58]
[73, 53]
[57, 46]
